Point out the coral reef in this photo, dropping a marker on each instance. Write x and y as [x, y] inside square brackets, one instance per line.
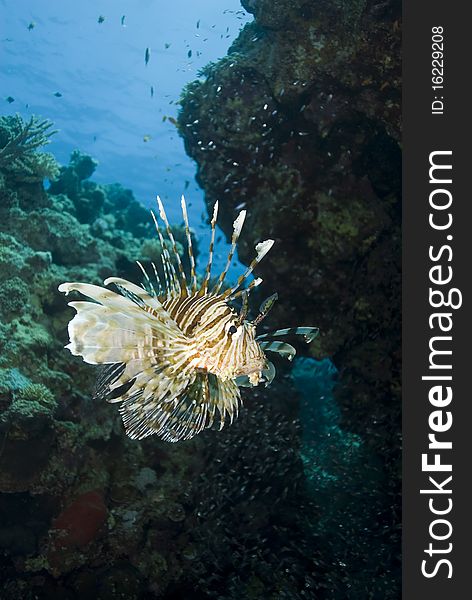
[18, 142]
[300, 124]
[74, 490]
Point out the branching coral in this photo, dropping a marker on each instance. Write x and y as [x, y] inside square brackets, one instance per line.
[19, 141]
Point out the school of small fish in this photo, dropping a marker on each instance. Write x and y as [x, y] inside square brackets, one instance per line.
[176, 351]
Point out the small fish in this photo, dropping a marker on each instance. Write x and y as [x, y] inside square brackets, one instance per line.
[152, 91]
[198, 24]
[173, 121]
[31, 26]
[167, 46]
[10, 99]
[57, 94]
[189, 54]
[123, 21]
[100, 19]
[175, 352]
[147, 138]
[147, 56]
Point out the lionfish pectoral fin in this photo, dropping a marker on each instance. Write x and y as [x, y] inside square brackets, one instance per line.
[106, 378]
[119, 328]
[191, 411]
[282, 348]
[225, 398]
[268, 373]
[308, 333]
[243, 381]
[172, 419]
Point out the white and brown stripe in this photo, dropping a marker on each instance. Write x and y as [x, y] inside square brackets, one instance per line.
[176, 354]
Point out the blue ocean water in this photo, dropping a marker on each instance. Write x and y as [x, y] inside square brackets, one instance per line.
[83, 66]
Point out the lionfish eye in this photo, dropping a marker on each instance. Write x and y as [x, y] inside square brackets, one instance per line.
[232, 329]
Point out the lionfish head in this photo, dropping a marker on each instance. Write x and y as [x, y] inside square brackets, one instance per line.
[251, 359]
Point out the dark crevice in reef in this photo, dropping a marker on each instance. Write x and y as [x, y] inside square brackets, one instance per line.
[300, 124]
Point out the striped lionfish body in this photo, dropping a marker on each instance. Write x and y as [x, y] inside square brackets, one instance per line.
[176, 353]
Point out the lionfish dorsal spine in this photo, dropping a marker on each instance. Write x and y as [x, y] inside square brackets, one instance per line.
[206, 278]
[158, 279]
[237, 227]
[262, 249]
[244, 306]
[183, 279]
[170, 281]
[193, 274]
[254, 283]
[148, 280]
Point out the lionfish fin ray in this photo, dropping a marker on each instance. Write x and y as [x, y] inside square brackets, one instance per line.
[254, 283]
[181, 415]
[282, 348]
[193, 275]
[172, 283]
[262, 248]
[146, 278]
[308, 333]
[206, 277]
[183, 279]
[120, 329]
[237, 227]
[265, 308]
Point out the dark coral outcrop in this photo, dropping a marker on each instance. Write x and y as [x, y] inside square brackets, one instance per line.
[300, 124]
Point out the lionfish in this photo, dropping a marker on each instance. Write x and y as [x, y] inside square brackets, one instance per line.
[175, 352]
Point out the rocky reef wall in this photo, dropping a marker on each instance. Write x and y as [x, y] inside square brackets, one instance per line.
[77, 497]
[300, 125]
